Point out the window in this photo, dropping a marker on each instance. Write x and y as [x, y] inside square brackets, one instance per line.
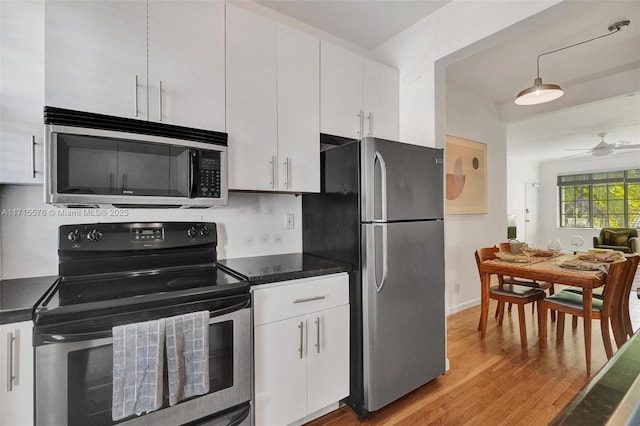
[598, 200]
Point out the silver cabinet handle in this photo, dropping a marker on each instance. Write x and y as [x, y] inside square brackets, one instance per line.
[318, 335]
[160, 102]
[301, 327]
[124, 183]
[370, 118]
[309, 299]
[273, 171]
[360, 122]
[135, 98]
[33, 156]
[11, 374]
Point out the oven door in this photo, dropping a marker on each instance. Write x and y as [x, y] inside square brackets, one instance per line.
[74, 380]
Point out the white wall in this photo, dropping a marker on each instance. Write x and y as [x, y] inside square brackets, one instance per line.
[471, 116]
[29, 243]
[550, 170]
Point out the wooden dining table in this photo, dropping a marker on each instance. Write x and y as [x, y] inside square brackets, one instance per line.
[544, 269]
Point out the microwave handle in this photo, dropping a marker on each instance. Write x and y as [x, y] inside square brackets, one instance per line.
[193, 168]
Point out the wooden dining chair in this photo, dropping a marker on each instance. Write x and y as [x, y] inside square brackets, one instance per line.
[624, 316]
[621, 322]
[602, 309]
[510, 293]
[542, 285]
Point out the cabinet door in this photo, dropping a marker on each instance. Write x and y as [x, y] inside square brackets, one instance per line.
[96, 56]
[16, 395]
[186, 63]
[328, 357]
[21, 91]
[298, 111]
[381, 100]
[340, 91]
[251, 100]
[280, 371]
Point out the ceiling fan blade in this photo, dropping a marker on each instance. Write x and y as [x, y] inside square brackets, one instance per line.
[636, 146]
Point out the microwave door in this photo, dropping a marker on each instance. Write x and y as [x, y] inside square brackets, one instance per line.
[146, 169]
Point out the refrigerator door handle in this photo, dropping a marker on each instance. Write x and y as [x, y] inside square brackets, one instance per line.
[383, 186]
[385, 259]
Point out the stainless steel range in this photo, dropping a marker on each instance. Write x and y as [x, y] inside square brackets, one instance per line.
[122, 276]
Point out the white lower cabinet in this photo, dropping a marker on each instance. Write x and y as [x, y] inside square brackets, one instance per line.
[301, 347]
[16, 374]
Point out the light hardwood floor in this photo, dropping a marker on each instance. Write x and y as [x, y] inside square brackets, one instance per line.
[493, 381]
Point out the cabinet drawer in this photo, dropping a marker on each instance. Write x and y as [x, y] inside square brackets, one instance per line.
[288, 299]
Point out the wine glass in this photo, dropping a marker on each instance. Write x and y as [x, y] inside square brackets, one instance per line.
[554, 244]
[576, 242]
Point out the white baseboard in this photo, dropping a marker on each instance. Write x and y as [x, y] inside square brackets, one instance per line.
[463, 306]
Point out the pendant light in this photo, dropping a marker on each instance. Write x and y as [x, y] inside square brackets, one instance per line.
[540, 92]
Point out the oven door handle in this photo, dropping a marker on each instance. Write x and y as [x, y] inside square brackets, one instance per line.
[73, 337]
[66, 337]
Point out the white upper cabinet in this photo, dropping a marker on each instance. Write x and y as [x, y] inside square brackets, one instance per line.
[98, 55]
[186, 63]
[21, 91]
[340, 91]
[381, 101]
[272, 105]
[252, 115]
[298, 111]
[359, 97]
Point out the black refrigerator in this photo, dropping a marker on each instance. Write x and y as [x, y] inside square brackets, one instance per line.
[381, 210]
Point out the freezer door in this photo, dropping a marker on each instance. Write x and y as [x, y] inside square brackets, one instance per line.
[400, 181]
[403, 309]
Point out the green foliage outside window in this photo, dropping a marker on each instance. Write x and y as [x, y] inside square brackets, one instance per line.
[598, 200]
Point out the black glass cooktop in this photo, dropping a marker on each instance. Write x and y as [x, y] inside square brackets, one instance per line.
[94, 295]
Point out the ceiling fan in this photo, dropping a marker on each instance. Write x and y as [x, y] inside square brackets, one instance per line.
[603, 149]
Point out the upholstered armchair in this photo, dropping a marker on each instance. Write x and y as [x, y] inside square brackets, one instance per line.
[622, 239]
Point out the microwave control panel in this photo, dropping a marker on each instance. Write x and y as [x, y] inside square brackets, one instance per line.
[208, 179]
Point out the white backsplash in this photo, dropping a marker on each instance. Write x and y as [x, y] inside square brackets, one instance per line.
[251, 225]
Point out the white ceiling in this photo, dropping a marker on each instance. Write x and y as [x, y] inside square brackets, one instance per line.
[597, 77]
[366, 23]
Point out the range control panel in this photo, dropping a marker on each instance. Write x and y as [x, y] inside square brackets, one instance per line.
[135, 235]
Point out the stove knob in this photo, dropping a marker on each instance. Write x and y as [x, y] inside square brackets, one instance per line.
[204, 231]
[191, 232]
[94, 235]
[76, 236]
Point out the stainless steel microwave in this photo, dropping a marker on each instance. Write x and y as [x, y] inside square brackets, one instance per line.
[98, 160]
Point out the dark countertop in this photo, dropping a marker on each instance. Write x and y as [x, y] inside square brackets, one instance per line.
[282, 267]
[598, 401]
[19, 296]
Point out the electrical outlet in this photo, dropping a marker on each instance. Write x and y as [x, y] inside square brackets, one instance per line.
[457, 288]
[249, 240]
[277, 238]
[288, 221]
[264, 238]
[268, 210]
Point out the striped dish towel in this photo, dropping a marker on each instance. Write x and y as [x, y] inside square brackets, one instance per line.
[138, 358]
[187, 341]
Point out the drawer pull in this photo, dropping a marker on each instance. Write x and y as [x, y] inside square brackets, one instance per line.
[309, 299]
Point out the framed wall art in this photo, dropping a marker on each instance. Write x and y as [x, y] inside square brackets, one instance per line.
[466, 176]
